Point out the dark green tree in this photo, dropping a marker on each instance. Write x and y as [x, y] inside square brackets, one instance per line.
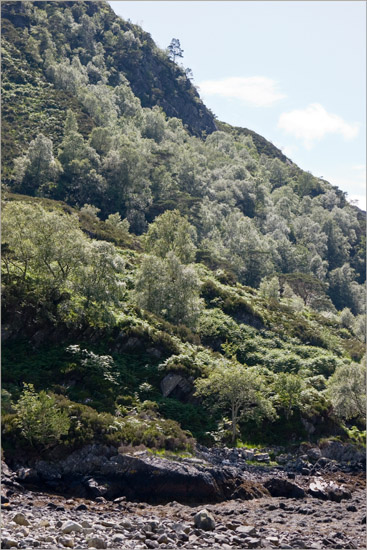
[174, 49]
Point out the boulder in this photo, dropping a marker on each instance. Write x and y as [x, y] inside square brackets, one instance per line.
[177, 386]
[70, 527]
[204, 520]
[261, 457]
[324, 490]
[279, 487]
[313, 454]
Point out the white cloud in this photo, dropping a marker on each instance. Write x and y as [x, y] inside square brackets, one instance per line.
[257, 90]
[313, 123]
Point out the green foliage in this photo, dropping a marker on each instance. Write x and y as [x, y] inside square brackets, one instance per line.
[171, 232]
[238, 390]
[289, 389]
[347, 391]
[76, 130]
[269, 289]
[50, 262]
[192, 361]
[42, 423]
[169, 289]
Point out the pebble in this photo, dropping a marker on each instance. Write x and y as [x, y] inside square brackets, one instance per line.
[96, 542]
[71, 526]
[20, 519]
[66, 541]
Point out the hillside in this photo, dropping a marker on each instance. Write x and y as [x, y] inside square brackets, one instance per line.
[151, 252]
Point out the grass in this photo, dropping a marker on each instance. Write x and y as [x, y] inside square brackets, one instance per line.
[247, 445]
[163, 453]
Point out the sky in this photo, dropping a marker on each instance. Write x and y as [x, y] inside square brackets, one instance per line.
[292, 71]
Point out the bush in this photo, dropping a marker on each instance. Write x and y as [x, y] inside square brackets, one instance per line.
[42, 423]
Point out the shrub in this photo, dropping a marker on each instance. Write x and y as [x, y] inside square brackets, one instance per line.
[42, 423]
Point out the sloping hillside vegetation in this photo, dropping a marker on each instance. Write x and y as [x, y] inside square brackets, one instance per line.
[151, 255]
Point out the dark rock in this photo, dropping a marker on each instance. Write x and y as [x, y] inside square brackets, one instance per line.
[352, 508]
[204, 520]
[8, 543]
[313, 454]
[322, 462]
[252, 542]
[278, 487]
[81, 508]
[4, 500]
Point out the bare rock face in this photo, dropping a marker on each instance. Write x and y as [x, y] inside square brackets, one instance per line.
[99, 471]
[335, 450]
[175, 385]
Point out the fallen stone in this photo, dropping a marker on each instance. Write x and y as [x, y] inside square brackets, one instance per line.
[323, 490]
[85, 524]
[261, 457]
[66, 541]
[9, 543]
[71, 526]
[96, 542]
[252, 542]
[44, 523]
[204, 520]
[352, 508]
[20, 519]
[273, 540]
[81, 508]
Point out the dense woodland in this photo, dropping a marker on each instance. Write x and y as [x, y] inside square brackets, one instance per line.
[142, 238]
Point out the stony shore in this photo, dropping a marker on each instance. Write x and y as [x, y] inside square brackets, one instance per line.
[321, 508]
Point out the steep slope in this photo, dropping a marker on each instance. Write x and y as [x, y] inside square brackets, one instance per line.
[127, 51]
[143, 249]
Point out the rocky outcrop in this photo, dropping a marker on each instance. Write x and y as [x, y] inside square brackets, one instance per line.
[335, 450]
[100, 471]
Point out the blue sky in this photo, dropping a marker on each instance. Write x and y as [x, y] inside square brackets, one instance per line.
[293, 71]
